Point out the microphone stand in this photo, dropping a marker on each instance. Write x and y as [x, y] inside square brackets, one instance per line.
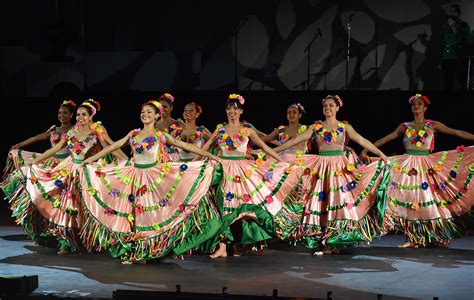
[348, 54]
[468, 75]
[324, 71]
[236, 35]
[308, 49]
[409, 49]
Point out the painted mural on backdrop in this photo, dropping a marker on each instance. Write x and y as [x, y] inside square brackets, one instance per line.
[393, 45]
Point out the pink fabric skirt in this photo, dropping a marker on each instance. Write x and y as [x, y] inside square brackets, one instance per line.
[337, 202]
[149, 209]
[49, 196]
[18, 158]
[252, 192]
[427, 191]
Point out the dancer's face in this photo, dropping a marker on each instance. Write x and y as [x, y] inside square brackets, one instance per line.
[166, 107]
[233, 113]
[330, 108]
[418, 106]
[82, 116]
[190, 113]
[293, 114]
[64, 115]
[148, 114]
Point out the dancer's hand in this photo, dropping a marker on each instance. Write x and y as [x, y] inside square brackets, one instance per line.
[216, 158]
[385, 159]
[364, 157]
[86, 162]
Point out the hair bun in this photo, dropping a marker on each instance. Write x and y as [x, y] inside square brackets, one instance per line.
[95, 103]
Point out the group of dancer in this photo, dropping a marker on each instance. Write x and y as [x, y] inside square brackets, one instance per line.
[186, 188]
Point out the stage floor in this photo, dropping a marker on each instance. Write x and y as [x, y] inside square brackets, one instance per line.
[358, 273]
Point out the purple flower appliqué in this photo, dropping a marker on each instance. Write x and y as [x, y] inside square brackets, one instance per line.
[163, 202]
[268, 176]
[114, 193]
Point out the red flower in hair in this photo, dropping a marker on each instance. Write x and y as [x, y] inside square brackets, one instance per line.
[422, 97]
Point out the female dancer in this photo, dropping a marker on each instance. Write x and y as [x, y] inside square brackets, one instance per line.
[242, 194]
[47, 200]
[18, 157]
[189, 132]
[427, 190]
[337, 196]
[165, 122]
[147, 207]
[283, 133]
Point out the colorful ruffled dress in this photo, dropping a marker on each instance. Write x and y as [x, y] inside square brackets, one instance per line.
[427, 191]
[299, 150]
[338, 204]
[147, 207]
[197, 139]
[244, 192]
[291, 193]
[45, 200]
[283, 137]
[173, 152]
[18, 158]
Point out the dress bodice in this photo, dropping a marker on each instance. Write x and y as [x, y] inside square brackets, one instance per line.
[422, 139]
[197, 139]
[79, 147]
[148, 150]
[283, 137]
[170, 150]
[236, 145]
[330, 140]
[55, 137]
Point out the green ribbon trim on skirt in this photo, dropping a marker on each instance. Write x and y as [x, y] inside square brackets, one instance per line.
[418, 152]
[382, 195]
[332, 153]
[260, 228]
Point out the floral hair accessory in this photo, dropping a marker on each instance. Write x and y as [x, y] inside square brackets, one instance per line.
[70, 103]
[236, 97]
[298, 106]
[155, 104]
[167, 96]
[419, 96]
[334, 97]
[89, 103]
[92, 101]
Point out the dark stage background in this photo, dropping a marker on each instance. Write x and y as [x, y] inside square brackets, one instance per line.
[48, 46]
[123, 53]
